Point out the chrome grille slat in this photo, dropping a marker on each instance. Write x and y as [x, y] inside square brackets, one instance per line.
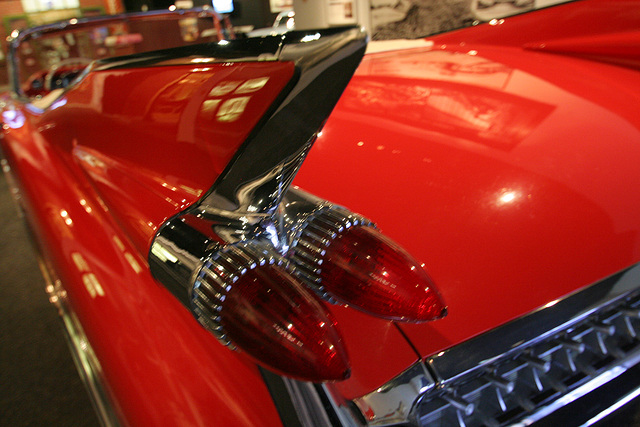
[520, 383]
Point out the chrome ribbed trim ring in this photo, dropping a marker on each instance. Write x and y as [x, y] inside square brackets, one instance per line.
[216, 279]
[314, 237]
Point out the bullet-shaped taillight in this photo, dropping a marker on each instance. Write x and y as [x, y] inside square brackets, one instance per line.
[346, 258]
[249, 300]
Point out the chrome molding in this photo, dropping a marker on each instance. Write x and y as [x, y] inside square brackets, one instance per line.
[610, 410]
[393, 402]
[256, 181]
[307, 403]
[543, 323]
[85, 359]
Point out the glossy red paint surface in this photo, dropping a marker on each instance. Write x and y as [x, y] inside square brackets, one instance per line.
[154, 140]
[162, 366]
[493, 162]
[98, 175]
[505, 171]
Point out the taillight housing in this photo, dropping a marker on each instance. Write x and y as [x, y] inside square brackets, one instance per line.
[258, 282]
[247, 298]
[344, 257]
[252, 258]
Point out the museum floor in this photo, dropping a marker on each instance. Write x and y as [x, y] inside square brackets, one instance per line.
[39, 385]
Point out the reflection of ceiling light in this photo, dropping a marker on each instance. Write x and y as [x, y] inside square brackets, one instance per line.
[252, 85]
[310, 38]
[201, 60]
[507, 197]
[232, 109]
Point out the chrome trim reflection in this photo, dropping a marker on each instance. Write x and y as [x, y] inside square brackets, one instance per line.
[619, 404]
[84, 358]
[256, 181]
[536, 326]
[393, 402]
[307, 403]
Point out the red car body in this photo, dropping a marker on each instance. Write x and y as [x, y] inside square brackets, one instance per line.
[503, 157]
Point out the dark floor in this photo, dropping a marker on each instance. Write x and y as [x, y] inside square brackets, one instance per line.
[39, 385]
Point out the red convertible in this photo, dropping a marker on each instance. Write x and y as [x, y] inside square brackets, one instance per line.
[284, 230]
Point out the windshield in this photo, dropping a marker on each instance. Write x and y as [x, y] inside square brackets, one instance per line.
[51, 57]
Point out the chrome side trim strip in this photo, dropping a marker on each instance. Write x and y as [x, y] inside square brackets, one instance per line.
[307, 403]
[574, 395]
[16, 37]
[85, 359]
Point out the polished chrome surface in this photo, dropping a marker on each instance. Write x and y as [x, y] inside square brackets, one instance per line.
[256, 181]
[540, 324]
[307, 403]
[619, 404]
[393, 402]
[84, 358]
[217, 276]
[313, 236]
[86, 361]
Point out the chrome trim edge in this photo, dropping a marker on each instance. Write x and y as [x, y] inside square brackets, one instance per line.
[481, 354]
[84, 358]
[619, 404]
[393, 402]
[16, 37]
[307, 403]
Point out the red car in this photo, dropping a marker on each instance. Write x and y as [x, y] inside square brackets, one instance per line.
[287, 231]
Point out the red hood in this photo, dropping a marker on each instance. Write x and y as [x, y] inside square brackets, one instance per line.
[500, 168]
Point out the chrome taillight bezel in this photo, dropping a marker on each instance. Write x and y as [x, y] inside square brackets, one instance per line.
[312, 238]
[207, 296]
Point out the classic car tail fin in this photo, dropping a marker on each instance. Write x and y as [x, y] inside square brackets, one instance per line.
[219, 254]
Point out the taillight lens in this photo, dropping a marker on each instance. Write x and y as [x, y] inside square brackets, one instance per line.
[247, 299]
[346, 258]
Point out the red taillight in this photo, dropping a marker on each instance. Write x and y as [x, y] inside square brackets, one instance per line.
[259, 307]
[358, 265]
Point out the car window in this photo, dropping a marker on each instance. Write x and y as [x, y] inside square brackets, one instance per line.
[53, 57]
